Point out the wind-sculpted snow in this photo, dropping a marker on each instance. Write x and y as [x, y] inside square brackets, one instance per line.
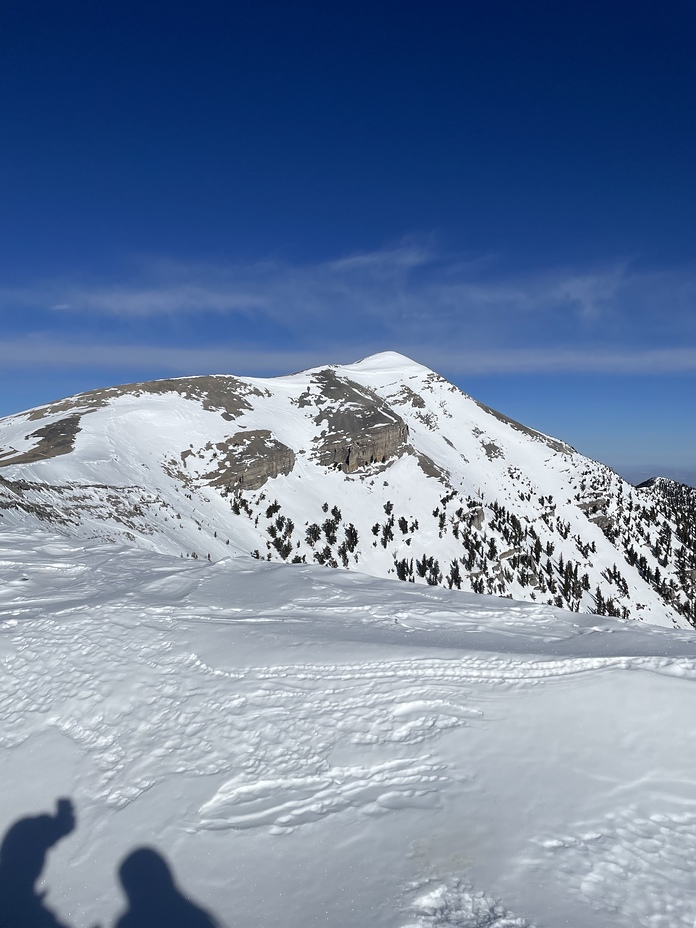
[615, 863]
[288, 802]
[309, 747]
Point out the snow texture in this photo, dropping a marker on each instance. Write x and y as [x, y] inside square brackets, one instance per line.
[310, 747]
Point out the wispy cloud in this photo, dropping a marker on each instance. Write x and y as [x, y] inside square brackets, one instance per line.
[406, 281]
[461, 316]
[49, 353]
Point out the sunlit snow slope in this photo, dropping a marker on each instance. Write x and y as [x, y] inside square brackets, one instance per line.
[311, 747]
[380, 466]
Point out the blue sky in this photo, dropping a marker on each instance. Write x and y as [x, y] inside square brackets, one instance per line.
[501, 189]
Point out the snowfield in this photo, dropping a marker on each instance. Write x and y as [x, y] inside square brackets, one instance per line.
[320, 747]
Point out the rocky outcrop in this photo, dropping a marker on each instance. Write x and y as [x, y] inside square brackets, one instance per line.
[51, 440]
[248, 459]
[214, 392]
[553, 443]
[357, 427]
[358, 444]
[429, 467]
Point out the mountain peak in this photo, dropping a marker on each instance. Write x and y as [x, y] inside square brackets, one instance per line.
[388, 361]
[380, 466]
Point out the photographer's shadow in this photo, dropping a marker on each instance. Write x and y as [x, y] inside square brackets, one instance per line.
[153, 897]
[154, 900]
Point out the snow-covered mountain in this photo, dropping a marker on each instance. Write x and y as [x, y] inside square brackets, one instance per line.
[381, 466]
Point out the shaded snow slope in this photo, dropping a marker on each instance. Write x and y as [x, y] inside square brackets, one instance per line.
[312, 747]
[380, 466]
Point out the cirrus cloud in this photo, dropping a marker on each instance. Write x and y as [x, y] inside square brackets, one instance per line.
[462, 316]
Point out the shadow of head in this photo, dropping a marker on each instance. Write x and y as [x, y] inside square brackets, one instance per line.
[153, 896]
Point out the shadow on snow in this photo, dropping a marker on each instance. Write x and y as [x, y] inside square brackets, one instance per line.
[148, 883]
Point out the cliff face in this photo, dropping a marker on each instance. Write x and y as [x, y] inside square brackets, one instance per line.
[248, 459]
[357, 427]
[353, 443]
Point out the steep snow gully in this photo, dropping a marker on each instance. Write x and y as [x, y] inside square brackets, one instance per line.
[255, 742]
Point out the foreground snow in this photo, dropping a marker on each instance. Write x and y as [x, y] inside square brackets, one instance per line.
[312, 747]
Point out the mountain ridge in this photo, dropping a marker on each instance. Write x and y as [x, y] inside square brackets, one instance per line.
[380, 466]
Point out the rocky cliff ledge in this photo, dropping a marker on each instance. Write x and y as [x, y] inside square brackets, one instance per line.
[248, 459]
[358, 427]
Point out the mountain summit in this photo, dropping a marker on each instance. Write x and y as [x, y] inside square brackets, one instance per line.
[380, 466]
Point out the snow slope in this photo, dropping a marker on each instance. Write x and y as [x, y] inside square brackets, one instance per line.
[380, 466]
[312, 747]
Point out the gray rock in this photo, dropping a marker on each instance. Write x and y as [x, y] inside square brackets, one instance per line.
[248, 459]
